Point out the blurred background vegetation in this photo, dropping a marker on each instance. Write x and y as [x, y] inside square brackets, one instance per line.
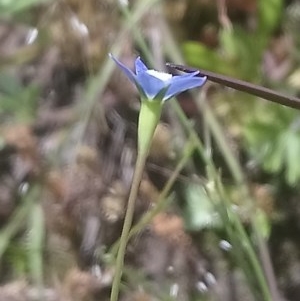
[218, 212]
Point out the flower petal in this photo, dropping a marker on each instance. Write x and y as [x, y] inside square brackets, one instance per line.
[150, 84]
[131, 76]
[140, 66]
[184, 82]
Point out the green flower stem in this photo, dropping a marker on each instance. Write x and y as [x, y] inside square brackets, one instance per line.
[162, 200]
[138, 172]
[148, 119]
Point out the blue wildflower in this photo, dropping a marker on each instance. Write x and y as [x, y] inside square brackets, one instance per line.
[159, 85]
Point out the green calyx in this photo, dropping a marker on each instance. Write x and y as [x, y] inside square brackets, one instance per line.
[148, 119]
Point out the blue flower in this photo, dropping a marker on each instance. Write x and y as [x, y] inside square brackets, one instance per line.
[159, 85]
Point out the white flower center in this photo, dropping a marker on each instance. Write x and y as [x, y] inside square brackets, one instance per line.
[160, 75]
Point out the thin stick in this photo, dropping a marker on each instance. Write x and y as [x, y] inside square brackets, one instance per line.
[268, 94]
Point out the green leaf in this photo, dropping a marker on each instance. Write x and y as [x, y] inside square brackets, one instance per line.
[292, 158]
[200, 212]
[275, 159]
[275, 142]
[263, 223]
[200, 56]
[228, 42]
[269, 12]
[36, 236]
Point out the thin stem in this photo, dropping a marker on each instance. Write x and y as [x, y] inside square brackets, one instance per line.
[138, 172]
[267, 265]
[162, 200]
[149, 116]
[18, 219]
